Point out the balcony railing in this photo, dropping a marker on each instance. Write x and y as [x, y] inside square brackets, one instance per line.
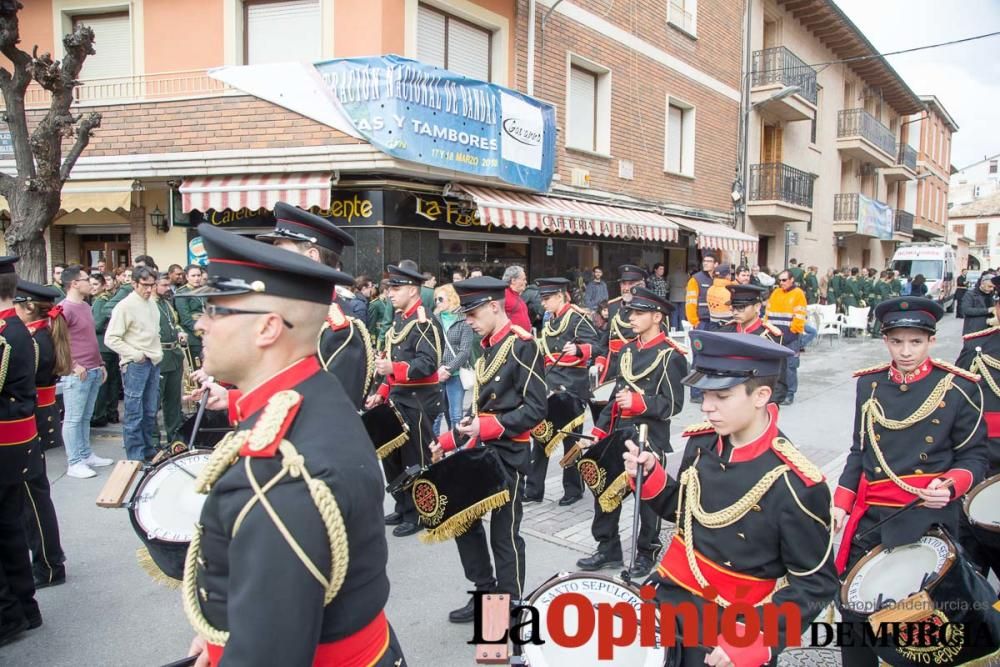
[779, 65]
[774, 181]
[858, 122]
[907, 156]
[139, 88]
[903, 222]
[845, 207]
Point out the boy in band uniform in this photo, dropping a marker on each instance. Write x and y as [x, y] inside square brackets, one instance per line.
[746, 301]
[619, 331]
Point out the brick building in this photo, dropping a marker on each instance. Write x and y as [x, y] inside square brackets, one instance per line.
[929, 200]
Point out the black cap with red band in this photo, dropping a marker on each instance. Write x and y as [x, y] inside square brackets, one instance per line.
[294, 224]
[476, 292]
[724, 360]
[909, 312]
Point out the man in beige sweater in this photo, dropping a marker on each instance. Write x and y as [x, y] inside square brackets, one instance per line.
[134, 333]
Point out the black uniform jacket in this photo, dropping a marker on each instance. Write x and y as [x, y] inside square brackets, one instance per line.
[510, 396]
[414, 347]
[345, 349]
[785, 532]
[18, 431]
[570, 373]
[652, 372]
[613, 339]
[249, 580]
[981, 355]
[46, 411]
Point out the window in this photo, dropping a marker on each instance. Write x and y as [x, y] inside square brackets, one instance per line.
[276, 31]
[993, 166]
[814, 129]
[453, 43]
[679, 144]
[982, 231]
[683, 14]
[113, 39]
[588, 107]
[977, 192]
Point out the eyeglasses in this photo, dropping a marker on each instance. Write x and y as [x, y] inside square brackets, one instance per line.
[214, 311]
[439, 299]
[785, 280]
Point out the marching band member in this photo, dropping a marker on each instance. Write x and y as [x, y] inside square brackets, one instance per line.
[746, 301]
[508, 401]
[648, 391]
[619, 331]
[750, 507]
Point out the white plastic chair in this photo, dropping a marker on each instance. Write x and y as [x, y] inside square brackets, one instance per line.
[828, 322]
[857, 318]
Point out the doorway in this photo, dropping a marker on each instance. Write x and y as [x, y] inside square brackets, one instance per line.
[114, 249]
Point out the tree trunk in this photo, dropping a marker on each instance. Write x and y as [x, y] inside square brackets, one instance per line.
[35, 211]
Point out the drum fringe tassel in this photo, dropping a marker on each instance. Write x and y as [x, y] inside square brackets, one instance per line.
[614, 494]
[551, 445]
[458, 524]
[147, 563]
[392, 445]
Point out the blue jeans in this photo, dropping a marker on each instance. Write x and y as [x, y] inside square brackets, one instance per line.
[455, 393]
[676, 315]
[792, 368]
[142, 399]
[807, 337]
[79, 397]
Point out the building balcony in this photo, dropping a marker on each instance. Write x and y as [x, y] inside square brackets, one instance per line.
[854, 213]
[905, 168]
[779, 193]
[862, 137]
[902, 225]
[774, 70]
[926, 228]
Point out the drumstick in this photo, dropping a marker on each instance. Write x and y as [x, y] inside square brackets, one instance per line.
[202, 404]
[948, 483]
[639, 474]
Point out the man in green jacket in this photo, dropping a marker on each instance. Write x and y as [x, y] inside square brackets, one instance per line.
[190, 309]
[106, 405]
[797, 273]
[835, 289]
[811, 286]
[380, 314]
[172, 365]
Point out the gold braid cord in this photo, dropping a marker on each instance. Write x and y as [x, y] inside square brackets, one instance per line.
[691, 493]
[872, 414]
[292, 464]
[616, 326]
[625, 367]
[982, 365]
[484, 373]
[357, 328]
[4, 360]
[548, 331]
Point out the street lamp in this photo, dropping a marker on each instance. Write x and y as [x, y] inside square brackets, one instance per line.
[778, 95]
[158, 220]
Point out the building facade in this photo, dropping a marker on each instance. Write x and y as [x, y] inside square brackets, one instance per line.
[975, 181]
[979, 221]
[928, 202]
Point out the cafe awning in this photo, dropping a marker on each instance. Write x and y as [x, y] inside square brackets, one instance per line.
[716, 236]
[556, 215]
[112, 195]
[255, 191]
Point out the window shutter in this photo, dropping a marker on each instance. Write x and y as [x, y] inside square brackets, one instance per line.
[284, 32]
[675, 142]
[430, 36]
[982, 230]
[582, 108]
[468, 50]
[113, 44]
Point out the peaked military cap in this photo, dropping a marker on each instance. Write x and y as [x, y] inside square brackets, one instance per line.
[741, 295]
[401, 276]
[631, 272]
[724, 360]
[294, 224]
[29, 291]
[476, 292]
[910, 312]
[648, 301]
[547, 286]
[7, 263]
[238, 265]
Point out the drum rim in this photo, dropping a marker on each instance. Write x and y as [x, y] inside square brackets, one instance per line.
[149, 474]
[970, 496]
[593, 401]
[936, 533]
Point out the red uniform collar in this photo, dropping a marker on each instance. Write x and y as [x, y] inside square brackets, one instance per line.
[657, 339]
[497, 337]
[413, 309]
[10, 312]
[757, 324]
[761, 444]
[37, 325]
[562, 311]
[922, 371]
[255, 399]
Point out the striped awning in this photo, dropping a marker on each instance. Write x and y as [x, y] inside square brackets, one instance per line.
[555, 215]
[716, 236]
[113, 195]
[255, 191]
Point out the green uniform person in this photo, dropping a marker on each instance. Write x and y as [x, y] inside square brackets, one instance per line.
[190, 309]
[172, 366]
[106, 405]
[811, 286]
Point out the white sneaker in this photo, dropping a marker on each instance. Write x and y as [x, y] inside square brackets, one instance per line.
[80, 471]
[97, 461]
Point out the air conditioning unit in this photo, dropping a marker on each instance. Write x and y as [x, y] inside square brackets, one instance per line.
[626, 169]
[580, 178]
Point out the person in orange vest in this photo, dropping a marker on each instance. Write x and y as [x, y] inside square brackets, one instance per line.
[786, 309]
[719, 309]
[696, 302]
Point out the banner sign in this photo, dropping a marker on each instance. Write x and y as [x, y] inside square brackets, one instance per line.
[417, 112]
[874, 218]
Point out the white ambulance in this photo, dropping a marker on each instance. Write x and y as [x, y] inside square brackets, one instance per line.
[936, 262]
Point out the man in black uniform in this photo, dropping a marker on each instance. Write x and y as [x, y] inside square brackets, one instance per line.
[568, 341]
[345, 348]
[18, 437]
[648, 391]
[410, 372]
[508, 401]
[918, 422]
[619, 331]
[746, 301]
[288, 564]
[751, 508]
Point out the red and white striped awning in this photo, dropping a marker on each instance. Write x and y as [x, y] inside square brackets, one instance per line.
[554, 215]
[255, 191]
[716, 236]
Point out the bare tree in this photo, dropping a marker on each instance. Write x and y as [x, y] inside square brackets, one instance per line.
[34, 193]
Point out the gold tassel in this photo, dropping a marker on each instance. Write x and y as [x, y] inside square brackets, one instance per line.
[147, 563]
[458, 524]
[392, 445]
[551, 445]
[613, 495]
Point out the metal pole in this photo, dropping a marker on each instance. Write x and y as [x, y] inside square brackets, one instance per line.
[788, 231]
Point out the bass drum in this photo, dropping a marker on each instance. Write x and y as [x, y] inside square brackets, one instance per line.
[599, 589]
[214, 427]
[601, 396]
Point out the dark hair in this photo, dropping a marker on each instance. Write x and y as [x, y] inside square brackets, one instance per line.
[598, 268]
[710, 255]
[145, 259]
[60, 265]
[758, 381]
[657, 265]
[8, 285]
[361, 282]
[919, 279]
[742, 269]
[72, 272]
[173, 267]
[193, 266]
[140, 272]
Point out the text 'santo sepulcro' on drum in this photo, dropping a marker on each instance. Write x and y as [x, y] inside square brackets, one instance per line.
[458, 490]
[386, 428]
[926, 582]
[597, 589]
[602, 469]
[601, 396]
[565, 412]
[982, 507]
[164, 510]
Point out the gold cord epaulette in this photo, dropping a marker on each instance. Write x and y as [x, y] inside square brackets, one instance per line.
[625, 366]
[798, 461]
[484, 373]
[952, 368]
[617, 323]
[872, 369]
[698, 429]
[521, 332]
[982, 364]
[773, 330]
[980, 334]
[336, 315]
[549, 331]
[677, 346]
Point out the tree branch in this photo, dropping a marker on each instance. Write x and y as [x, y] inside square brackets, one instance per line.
[7, 183]
[10, 37]
[13, 86]
[83, 131]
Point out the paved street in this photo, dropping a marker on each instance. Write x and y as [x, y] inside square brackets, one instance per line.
[110, 613]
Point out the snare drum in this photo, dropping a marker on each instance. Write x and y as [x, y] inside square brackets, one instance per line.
[924, 582]
[213, 428]
[598, 589]
[565, 412]
[602, 469]
[165, 508]
[386, 428]
[601, 396]
[982, 507]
